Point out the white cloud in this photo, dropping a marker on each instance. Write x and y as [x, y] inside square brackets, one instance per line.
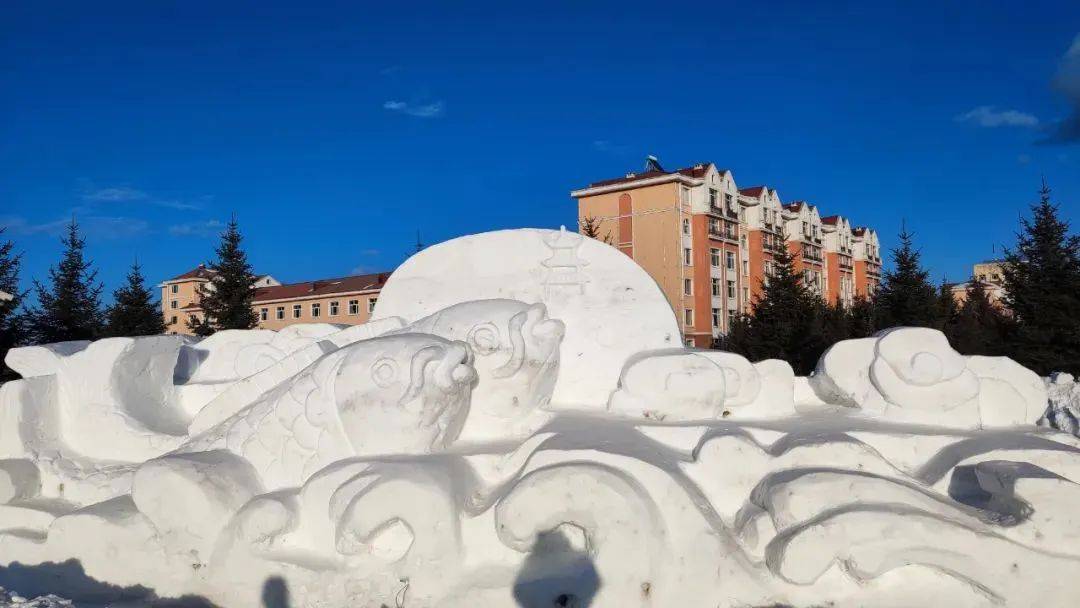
[1067, 83]
[124, 194]
[200, 229]
[989, 116]
[115, 195]
[428, 110]
[95, 226]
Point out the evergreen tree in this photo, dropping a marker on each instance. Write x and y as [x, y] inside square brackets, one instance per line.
[1042, 284]
[947, 310]
[11, 322]
[785, 322]
[590, 227]
[906, 297]
[226, 301]
[978, 327]
[134, 312]
[861, 318]
[836, 321]
[69, 307]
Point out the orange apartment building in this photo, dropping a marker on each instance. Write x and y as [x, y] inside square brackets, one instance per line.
[346, 300]
[710, 245]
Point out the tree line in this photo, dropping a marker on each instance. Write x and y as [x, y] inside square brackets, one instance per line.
[1038, 325]
[68, 302]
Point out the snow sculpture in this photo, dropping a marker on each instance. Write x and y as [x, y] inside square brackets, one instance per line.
[610, 307]
[516, 350]
[682, 384]
[912, 374]
[520, 428]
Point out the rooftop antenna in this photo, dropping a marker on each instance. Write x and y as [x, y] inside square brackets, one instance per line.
[653, 164]
[419, 245]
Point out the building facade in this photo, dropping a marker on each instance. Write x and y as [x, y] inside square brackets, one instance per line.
[346, 300]
[988, 273]
[710, 245]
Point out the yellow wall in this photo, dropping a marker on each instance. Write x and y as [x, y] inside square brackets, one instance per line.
[343, 315]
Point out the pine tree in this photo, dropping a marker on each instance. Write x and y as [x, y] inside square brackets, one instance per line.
[69, 308]
[861, 318]
[785, 322]
[836, 321]
[226, 301]
[590, 227]
[134, 312]
[906, 297]
[947, 310]
[11, 322]
[1042, 283]
[978, 327]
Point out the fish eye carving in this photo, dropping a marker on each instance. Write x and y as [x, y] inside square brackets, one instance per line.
[484, 338]
[384, 372]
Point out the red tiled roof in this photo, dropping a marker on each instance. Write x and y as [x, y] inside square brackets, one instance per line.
[199, 272]
[192, 306]
[752, 191]
[696, 172]
[794, 206]
[830, 220]
[322, 287]
[860, 231]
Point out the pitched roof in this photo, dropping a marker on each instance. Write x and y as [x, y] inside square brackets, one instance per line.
[696, 172]
[860, 231]
[830, 220]
[199, 272]
[795, 206]
[752, 191]
[322, 287]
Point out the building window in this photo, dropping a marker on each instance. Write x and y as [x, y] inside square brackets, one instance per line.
[714, 258]
[279, 312]
[712, 197]
[730, 289]
[264, 314]
[688, 287]
[745, 268]
[686, 226]
[688, 317]
[174, 288]
[334, 308]
[297, 310]
[371, 305]
[354, 307]
[732, 315]
[746, 294]
[730, 260]
[687, 256]
[716, 287]
[316, 309]
[716, 318]
[173, 320]
[174, 304]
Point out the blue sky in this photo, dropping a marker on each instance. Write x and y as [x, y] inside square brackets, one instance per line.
[336, 131]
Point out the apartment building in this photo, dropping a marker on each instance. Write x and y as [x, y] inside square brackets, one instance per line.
[346, 300]
[710, 245]
[990, 274]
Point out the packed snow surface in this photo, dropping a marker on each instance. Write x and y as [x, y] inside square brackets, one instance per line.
[520, 427]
